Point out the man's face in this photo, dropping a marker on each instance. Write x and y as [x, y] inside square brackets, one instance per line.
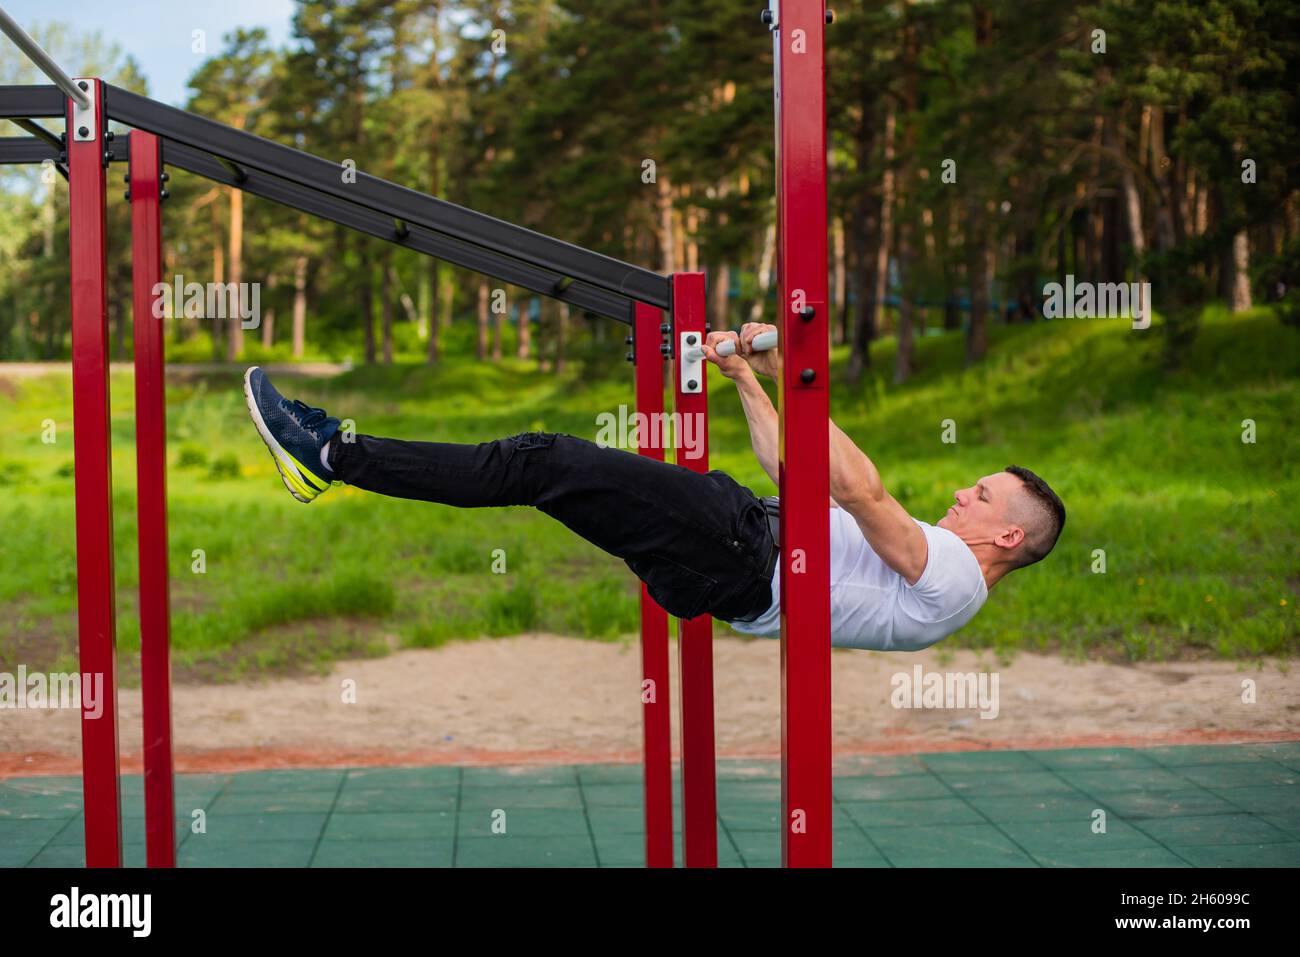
[978, 514]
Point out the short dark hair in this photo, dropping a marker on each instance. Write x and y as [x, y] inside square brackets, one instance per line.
[1043, 520]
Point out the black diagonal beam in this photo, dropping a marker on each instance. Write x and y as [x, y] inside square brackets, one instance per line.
[414, 208]
[30, 150]
[580, 295]
[40, 132]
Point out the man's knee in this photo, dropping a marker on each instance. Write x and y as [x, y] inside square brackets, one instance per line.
[534, 440]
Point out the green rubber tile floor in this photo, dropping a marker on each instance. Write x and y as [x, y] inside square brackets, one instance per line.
[1196, 806]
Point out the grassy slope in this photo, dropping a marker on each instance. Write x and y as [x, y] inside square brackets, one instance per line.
[1198, 531]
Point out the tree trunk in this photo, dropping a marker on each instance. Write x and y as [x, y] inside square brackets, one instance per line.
[720, 291]
[525, 336]
[268, 316]
[366, 298]
[434, 300]
[1133, 215]
[299, 306]
[840, 281]
[906, 284]
[561, 335]
[1240, 299]
[432, 81]
[235, 341]
[219, 277]
[868, 330]
[47, 234]
[979, 269]
[498, 333]
[482, 341]
[1165, 232]
[667, 238]
[862, 279]
[690, 229]
[886, 227]
[386, 308]
[764, 273]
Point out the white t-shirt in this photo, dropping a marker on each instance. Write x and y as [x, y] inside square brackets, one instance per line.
[873, 606]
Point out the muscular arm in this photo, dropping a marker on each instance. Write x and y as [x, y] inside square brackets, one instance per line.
[764, 425]
[888, 529]
[764, 428]
[855, 484]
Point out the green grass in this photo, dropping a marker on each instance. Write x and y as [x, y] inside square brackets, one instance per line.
[1199, 530]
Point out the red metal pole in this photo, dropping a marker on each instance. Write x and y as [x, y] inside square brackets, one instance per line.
[94, 479]
[151, 480]
[656, 684]
[695, 636]
[806, 838]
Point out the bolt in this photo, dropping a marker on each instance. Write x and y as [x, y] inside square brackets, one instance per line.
[631, 357]
[690, 339]
[126, 178]
[83, 84]
[627, 340]
[766, 16]
[665, 328]
[110, 135]
[164, 195]
[127, 195]
[807, 375]
[166, 177]
[82, 131]
[806, 313]
[707, 327]
[692, 385]
[830, 16]
[666, 349]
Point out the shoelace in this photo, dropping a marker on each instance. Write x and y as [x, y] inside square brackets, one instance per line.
[309, 417]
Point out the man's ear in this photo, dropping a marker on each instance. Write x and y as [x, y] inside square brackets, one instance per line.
[1011, 536]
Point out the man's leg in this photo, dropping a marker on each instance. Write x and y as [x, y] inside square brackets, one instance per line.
[698, 540]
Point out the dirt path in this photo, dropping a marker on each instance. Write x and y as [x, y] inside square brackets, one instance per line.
[550, 699]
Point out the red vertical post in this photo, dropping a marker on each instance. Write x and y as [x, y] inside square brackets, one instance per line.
[151, 479]
[97, 638]
[656, 687]
[806, 838]
[695, 636]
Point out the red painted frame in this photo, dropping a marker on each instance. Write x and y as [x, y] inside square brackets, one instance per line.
[151, 474]
[804, 439]
[656, 688]
[806, 837]
[695, 636]
[92, 451]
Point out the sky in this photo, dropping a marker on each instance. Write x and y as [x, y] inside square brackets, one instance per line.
[157, 32]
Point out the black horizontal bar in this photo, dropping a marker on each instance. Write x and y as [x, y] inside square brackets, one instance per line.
[32, 102]
[468, 255]
[415, 208]
[26, 149]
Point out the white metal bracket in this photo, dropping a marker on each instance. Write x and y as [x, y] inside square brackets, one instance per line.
[691, 359]
[85, 119]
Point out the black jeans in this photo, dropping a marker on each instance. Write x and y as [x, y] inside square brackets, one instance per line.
[700, 542]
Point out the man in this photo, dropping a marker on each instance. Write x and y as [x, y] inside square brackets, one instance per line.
[701, 542]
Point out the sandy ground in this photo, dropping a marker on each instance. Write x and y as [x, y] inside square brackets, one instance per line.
[542, 698]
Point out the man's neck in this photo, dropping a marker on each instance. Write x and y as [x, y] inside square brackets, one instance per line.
[992, 569]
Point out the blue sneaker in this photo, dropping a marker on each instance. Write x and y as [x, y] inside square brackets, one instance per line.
[294, 432]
